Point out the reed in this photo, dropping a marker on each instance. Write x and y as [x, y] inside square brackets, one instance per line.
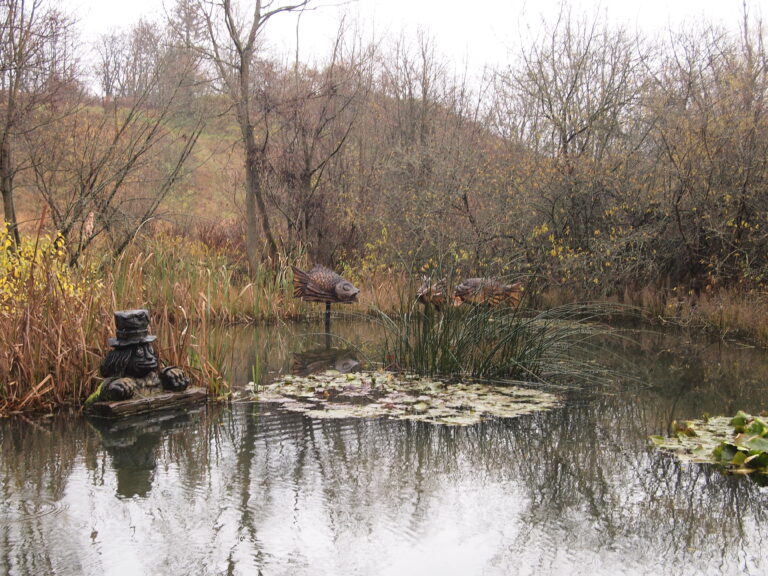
[55, 320]
[550, 346]
[178, 270]
[726, 313]
[51, 317]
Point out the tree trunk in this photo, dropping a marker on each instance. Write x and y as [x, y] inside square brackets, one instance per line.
[255, 206]
[6, 186]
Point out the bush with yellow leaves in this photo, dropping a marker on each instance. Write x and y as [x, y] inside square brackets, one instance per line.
[51, 319]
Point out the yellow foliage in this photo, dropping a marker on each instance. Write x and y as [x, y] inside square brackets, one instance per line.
[39, 264]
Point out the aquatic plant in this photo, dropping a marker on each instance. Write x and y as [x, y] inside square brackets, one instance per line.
[496, 342]
[738, 444]
[332, 394]
[747, 451]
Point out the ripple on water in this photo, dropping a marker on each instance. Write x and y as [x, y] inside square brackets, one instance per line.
[19, 510]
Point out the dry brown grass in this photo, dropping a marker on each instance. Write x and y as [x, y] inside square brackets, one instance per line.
[52, 338]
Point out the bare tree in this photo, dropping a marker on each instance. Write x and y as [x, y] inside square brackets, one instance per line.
[710, 136]
[107, 171]
[572, 100]
[316, 112]
[232, 48]
[36, 65]
[111, 52]
[431, 150]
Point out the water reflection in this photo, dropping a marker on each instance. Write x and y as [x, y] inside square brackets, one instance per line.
[247, 488]
[295, 347]
[258, 489]
[320, 359]
[133, 444]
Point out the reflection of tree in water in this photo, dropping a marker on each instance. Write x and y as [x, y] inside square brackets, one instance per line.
[587, 481]
[274, 348]
[53, 473]
[35, 464]
[247, 487]
[697, 375]
[595, 485]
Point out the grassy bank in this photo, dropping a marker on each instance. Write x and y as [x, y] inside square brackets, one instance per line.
[55, 320]
[723, 313]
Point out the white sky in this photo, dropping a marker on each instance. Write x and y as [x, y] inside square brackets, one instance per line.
[475, 32]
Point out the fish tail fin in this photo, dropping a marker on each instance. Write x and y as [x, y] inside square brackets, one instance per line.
[300, 281]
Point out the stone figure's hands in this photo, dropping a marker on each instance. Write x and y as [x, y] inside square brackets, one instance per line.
[173, 379]
[120, 388]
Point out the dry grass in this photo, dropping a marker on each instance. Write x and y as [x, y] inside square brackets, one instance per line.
[728, 313]
[54, 327]
[50, 337]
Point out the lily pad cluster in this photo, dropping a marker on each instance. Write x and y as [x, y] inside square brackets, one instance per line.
[331, 394]
[739, 443]
[748, 451]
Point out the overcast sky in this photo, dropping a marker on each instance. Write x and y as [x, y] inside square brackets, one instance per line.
[476, 32]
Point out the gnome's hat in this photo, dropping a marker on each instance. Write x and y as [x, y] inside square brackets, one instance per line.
[132, 328]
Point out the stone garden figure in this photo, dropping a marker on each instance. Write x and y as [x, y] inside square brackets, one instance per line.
[132, 364]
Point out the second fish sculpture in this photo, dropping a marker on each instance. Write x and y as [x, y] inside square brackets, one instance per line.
[321, 284]
[434, 293]
[488, 291]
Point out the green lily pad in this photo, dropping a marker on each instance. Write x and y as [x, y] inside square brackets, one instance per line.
[739, 421]
[736, 443]
[402, 396]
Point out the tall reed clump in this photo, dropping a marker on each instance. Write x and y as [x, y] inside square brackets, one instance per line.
[184, 339]
[55, 320]
[507, 343]
[182, 270]
[52, 318]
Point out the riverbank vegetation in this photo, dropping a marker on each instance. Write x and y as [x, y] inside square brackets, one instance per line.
[186, 167]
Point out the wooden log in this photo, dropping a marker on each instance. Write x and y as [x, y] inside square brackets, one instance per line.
[145, 404]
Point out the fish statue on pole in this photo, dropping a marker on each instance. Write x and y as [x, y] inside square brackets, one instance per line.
[322, 284]
[432, 292]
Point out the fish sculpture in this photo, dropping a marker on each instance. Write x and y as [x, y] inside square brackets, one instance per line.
[321, 284]
[488, 291]
[434, 293]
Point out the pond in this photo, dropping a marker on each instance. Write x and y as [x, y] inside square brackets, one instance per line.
[250, 488]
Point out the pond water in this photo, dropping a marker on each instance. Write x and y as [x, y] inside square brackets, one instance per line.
[249, 488]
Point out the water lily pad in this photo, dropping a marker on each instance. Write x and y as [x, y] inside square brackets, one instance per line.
[739, 444]
[696, 440]
[384, 394]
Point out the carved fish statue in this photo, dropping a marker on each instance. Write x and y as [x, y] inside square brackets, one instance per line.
[488, 291]
[321, 284]
[432, 293]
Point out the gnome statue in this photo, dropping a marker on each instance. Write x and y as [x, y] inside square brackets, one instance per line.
[132, 365]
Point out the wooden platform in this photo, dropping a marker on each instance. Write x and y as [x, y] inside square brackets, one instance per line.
[145, 404]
